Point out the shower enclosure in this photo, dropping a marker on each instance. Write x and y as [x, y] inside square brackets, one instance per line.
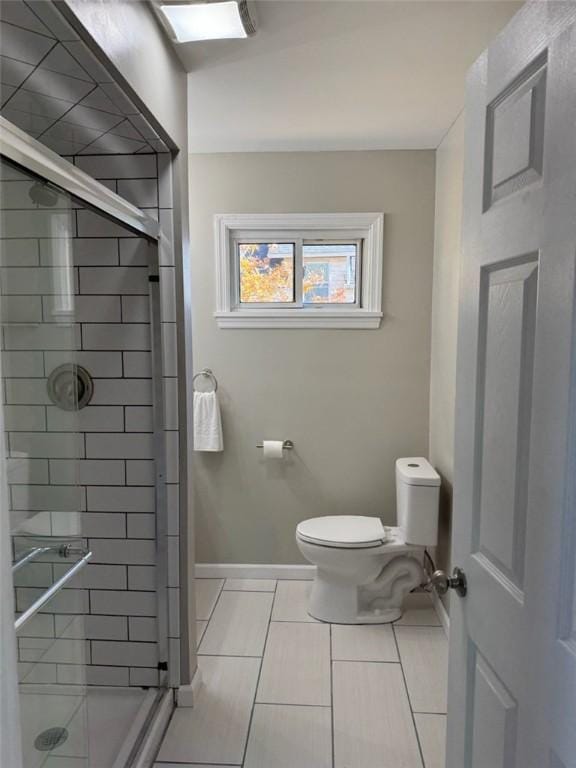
[80, 341]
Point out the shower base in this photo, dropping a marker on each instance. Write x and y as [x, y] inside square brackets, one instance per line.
[102, 724]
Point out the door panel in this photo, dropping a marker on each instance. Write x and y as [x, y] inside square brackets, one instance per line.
[506, 351]
[555, 761]
[494, 734]
[512, 681]
[515, 134]
[37, 313]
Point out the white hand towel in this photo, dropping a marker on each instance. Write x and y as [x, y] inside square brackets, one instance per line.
[207, 422]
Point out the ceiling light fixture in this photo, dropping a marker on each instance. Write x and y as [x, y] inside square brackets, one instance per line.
[214, 20]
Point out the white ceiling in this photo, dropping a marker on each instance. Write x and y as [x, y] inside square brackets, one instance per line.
[338, 74]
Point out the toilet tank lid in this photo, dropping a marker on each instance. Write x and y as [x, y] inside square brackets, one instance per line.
[417, 470]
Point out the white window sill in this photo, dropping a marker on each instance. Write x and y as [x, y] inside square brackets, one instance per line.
[360, 319]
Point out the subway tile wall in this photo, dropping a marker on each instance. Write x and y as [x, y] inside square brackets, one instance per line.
[54, 88]
[113, 455]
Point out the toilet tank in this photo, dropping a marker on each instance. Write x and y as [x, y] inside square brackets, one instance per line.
[417, 496]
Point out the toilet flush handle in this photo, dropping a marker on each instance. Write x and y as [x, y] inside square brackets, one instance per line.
[442, 582]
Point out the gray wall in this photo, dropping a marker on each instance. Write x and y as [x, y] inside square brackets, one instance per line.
[352, 401]
[449, 171]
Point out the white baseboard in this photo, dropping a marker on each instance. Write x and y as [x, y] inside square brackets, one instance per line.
[257, 571]
[187, 695]
[442, 613]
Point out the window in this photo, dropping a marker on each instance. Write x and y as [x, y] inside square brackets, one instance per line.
[329, 272]
[266, 273]
[296, 274]
[299, 270]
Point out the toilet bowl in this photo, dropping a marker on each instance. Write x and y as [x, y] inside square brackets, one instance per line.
[364, 570]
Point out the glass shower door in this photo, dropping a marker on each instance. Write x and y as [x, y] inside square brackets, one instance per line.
[42, 445]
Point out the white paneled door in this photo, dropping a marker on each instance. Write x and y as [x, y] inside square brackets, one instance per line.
[512, 686]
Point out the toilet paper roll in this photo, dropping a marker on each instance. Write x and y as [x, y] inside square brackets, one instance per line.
[273, 449]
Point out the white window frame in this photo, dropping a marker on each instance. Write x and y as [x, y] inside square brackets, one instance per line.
[368, 228]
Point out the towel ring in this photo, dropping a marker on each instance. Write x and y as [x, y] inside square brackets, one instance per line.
[208, 373]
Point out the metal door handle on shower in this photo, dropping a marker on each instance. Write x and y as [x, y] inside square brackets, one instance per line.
[49, 594]
[62, 550]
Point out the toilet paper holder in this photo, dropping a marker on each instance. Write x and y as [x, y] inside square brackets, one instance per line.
[287, 445]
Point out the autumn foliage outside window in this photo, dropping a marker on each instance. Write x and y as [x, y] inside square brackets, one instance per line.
[267, 273]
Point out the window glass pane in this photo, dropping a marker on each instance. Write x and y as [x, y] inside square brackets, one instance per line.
[330, 273]
[266, 272]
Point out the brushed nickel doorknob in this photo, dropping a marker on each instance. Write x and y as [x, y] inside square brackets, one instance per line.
[442, 582]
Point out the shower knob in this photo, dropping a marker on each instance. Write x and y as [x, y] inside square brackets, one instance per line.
[70, 387]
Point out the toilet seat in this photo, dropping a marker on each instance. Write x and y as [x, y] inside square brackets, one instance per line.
[343, 531]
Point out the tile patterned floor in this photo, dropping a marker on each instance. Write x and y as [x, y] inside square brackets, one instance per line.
[282, 690]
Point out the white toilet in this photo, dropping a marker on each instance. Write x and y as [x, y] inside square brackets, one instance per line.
[364, 569]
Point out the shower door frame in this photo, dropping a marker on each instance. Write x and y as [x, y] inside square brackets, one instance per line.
[20, 148]
[28, 153]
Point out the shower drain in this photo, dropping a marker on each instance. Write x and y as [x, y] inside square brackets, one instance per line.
[50, 739]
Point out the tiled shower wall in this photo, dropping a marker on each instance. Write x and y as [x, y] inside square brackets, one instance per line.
[117, 472]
